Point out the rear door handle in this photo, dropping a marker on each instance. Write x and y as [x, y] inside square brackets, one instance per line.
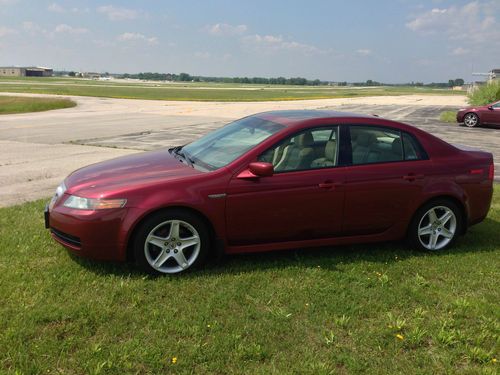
[413, 177]
[327, 185]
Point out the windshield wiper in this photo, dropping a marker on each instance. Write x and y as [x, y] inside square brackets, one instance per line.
[183, 154]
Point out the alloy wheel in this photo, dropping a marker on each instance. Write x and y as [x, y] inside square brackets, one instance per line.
[437, 228]
[172, 246]
[471, 120]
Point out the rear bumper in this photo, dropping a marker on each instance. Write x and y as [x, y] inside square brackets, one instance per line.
[90, 234]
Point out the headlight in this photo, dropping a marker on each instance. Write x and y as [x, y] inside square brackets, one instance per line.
[61, 189]
[80, 203]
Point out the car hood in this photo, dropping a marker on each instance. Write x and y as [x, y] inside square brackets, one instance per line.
[121, 174]
[475, 108]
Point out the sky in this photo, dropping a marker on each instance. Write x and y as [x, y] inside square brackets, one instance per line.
[391, 41]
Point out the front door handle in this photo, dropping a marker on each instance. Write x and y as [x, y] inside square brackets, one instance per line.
[413, 177]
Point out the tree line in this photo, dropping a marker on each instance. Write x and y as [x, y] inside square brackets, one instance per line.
[296, 81]
[185, 77]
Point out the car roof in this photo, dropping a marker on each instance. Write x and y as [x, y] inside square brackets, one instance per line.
[294, 117]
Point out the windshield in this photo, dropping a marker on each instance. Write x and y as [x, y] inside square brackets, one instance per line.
[222, 146]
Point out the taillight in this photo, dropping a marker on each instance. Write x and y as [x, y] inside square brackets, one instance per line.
[491, 172]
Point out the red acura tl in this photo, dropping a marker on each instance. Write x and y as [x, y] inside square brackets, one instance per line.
[275, 180]
[475, 116]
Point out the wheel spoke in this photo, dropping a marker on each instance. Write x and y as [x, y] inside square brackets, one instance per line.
[446, 233]
[181, 259]
[187, 242]
[433, 241]
[425, 230]
[432, 216]
[174, 229]
[162, 258]
[445, 217]
[157, 241]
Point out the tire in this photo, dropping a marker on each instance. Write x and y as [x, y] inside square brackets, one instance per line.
[471, 120]
[171, 242]
[435, 226]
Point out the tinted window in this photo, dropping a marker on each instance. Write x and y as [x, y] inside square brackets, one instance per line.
[311, 149]
[370, 144]
[411, 148]
[496, 105]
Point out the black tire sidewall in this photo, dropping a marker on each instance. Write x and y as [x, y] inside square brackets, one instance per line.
[413, 229]
[148, 224]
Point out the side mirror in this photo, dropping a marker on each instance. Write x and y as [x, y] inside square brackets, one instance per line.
[490, 107]
[257, 169]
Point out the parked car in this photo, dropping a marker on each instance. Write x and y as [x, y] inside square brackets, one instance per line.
[474, 116]
[272, 181]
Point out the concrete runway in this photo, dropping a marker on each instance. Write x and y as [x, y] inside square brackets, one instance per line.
[37, 150]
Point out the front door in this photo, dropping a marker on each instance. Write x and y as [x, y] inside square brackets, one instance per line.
[303, 200]
[491, 116]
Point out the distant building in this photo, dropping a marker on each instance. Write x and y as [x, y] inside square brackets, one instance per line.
[91, 75]
[33, 71]
[495, 75]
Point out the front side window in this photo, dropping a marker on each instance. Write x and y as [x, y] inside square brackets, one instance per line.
[310, 149]
[222, 146]
[496, 105]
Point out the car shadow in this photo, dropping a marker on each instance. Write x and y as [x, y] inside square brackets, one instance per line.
[480, 238]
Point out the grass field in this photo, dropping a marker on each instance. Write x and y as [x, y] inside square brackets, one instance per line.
[448, 116]
[376, 309]
[198, 91]
[16, 104]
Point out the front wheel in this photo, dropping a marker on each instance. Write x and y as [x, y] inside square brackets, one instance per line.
[435, 226]
[471, 120]
[171, 242]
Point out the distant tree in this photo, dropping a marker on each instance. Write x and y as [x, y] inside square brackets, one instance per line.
[184, 77]
[459, 82]
[71, 74]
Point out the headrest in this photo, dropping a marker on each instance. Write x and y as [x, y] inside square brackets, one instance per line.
[397, 146]
[331, 150]
[305, 140]
[366, 139]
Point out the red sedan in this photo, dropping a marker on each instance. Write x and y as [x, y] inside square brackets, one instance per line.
[275, 180]
[481, 115]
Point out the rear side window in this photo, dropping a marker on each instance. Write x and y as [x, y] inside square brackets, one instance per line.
[412, 149]
[372, 144]
[376, 144]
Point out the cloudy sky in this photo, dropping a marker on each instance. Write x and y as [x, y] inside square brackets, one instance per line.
[383, 40]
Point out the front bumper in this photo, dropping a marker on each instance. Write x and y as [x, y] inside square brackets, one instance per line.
[90, 234]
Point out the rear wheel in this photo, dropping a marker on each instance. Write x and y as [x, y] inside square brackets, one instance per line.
[171, 242]
[471, 120]
[436, 225]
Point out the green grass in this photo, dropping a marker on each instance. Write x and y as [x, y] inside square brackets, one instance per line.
[377, 309]
[448, 116]
[199, 91]
[17, 104]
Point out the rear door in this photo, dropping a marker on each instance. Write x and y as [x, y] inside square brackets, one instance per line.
[386, 173]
